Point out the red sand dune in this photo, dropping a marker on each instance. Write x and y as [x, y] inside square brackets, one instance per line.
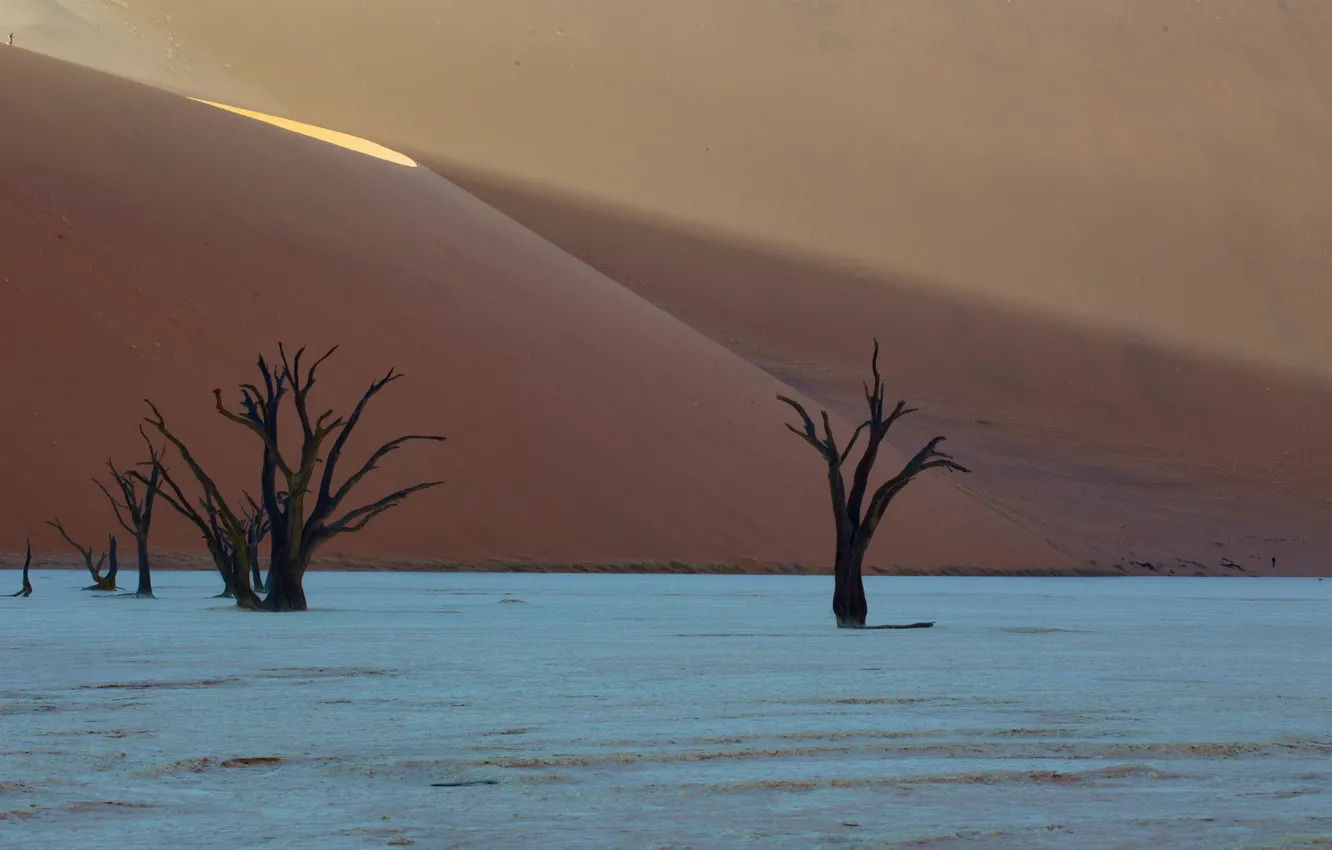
[153, 245]
[1092, 236]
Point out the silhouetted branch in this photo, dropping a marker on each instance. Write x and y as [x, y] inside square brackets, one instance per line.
[357, 519]
[100, 582]
[222, 528]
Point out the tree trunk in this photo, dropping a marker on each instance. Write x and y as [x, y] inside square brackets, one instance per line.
[113, 566]
[246, 598]
[256, 576]
[224, 570]
[145, 590]
[849, 606]
[286, 596]
[26, 590]
[235, 578]
[286, 587]
[238, 588]
[286, 592]
[240, 585]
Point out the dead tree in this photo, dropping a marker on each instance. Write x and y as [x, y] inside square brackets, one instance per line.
[134, 511]
[226, 565]
[26, 591]
[297, 528]
[856, 521]
[304, 514]
[100, 582]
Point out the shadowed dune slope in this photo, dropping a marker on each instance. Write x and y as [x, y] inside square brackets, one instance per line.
[151, 245]
[1143, 453]
[1102, 227]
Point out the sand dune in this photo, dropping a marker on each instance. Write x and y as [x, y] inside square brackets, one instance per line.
[1091, 235]
[1096, 226]
[1080, 161]
[102, 34]
[152, 245]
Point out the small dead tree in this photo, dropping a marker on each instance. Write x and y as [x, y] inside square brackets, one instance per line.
[254, 524]
[221, 527]
[134, 511]
[227, 565]
[256, 530]
[856, 522]
[26, 590]
[100, 582]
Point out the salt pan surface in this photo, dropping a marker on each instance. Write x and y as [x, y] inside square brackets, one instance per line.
[668, 711]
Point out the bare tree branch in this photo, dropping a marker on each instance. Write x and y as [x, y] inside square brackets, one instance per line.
[371, 465]
[251, 405]
[855, 435]
[302, 384]
[349, 521]
[223, 530]
[87, 552]
[230, 521]
[326, 503]
[810, 434]
[116, 506]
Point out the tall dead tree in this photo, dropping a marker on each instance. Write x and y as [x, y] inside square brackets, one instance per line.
[855, 520]
[26, 590]
[100, 582]
[134, 510]
[298, 528]
[306, 512]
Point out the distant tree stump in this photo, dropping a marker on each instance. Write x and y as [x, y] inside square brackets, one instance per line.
[26, 590]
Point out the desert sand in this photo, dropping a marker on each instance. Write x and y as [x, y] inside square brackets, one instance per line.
[154, 245]
[1090, 236]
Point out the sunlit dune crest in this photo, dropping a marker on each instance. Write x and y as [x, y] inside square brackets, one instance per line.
[333, 137]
